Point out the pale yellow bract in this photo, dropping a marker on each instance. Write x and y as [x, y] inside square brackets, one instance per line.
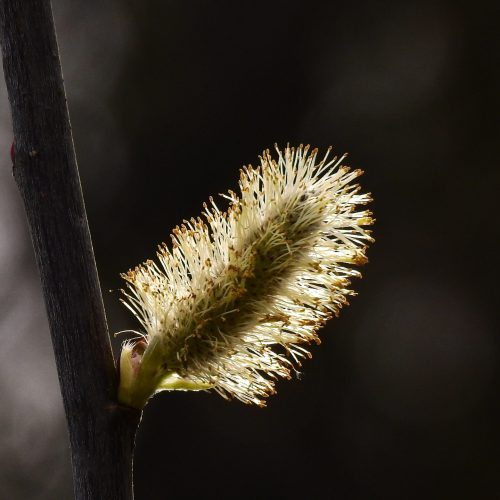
[235, 300]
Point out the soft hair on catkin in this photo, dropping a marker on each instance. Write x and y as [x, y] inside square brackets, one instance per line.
[233, 303]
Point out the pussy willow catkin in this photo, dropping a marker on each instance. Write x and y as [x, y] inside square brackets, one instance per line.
[233, 303]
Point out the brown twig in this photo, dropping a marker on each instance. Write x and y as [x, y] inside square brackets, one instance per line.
[101, 432]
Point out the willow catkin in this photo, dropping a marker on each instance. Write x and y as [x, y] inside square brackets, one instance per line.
[232, 305]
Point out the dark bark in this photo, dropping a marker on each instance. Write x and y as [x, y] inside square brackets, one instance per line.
[101, 432]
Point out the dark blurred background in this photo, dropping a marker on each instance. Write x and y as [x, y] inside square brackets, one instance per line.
[168, 99]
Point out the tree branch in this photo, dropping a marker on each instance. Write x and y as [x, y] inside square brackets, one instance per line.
[101, 432]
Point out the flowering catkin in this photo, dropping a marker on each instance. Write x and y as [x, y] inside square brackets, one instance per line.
[235, 299]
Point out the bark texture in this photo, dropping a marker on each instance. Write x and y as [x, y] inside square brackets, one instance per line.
[101, 432]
